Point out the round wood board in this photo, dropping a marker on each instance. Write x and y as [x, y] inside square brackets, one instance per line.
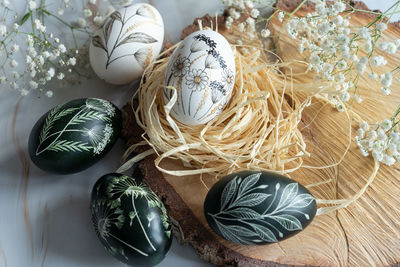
[366, 233]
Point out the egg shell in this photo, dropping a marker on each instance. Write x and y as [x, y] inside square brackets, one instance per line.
[130, 220]
[257, 208]
[71, 137]
[127, 42]
[202, 69]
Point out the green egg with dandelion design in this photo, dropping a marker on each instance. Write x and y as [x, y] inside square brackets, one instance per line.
[72, 137]
[258, 207]
[130, 220]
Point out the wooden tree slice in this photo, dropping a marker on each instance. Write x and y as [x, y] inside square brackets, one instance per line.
[367, 233]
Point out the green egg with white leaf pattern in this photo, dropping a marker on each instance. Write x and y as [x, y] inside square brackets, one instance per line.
[258, 208]
[72, 137]
[130, 220]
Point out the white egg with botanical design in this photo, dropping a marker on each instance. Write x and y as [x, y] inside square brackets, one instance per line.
[202, 70]
[126, 43]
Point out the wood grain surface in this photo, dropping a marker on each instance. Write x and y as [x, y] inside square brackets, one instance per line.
[366, 233]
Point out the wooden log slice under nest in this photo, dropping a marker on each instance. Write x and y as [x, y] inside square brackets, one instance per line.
[367, 233]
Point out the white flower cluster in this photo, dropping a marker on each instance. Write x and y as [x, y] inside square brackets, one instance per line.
[239, 7]
[45, 58]
[382, 142]
[333, 49]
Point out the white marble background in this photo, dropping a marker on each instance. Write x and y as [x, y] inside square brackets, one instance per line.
[45, 218]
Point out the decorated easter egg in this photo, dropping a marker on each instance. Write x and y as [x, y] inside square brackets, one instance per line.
[130, 220]
[257, 208]
[202, 70]
[71, 137]
[128, 41]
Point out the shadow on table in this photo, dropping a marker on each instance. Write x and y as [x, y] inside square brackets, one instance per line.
[68, 234]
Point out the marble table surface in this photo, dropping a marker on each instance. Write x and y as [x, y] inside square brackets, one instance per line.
[45, 218]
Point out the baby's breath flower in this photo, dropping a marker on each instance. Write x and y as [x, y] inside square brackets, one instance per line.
[255, 13]
[381, 26]
[386, 124]
[391, 48]
[241, 27]
[32, 5]
[98, 20]
[265, 33]
[60, 11]
[87, 12]
[386, 79]
[33, 85]
[49, 93]
[72, 61]
[81, 22]
[13, 63]
[14, 48]
[378, 61]
[281, 16]
[62, 48]
[3, 79]
[60, 76]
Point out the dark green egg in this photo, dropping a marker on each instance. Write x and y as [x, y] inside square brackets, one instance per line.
[71, 137]
[130, 220]
[257, 208]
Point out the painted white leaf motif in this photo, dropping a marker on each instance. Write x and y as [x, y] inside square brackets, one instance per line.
[249, 182]
[266, 234]
[289, 222]
[228, 192]
[301, 201]
[244, 213]
[288, 194]
[237, 221]
[251, 200]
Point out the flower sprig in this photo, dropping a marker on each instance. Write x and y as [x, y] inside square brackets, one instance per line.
[338, 54]
[381, 140]
[31, 55]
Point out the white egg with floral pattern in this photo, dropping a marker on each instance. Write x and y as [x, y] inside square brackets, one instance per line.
[128, 41]
[202, 70]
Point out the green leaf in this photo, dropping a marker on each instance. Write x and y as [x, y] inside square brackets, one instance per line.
[25, 18]
[288, 222]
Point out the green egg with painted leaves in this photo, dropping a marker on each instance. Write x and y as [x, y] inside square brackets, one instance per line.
[71, 137]
[258, 207]
[130, 220]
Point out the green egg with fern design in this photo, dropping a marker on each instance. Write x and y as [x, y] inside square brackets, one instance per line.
[258, 207]
[130, 220]
[72, 137]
